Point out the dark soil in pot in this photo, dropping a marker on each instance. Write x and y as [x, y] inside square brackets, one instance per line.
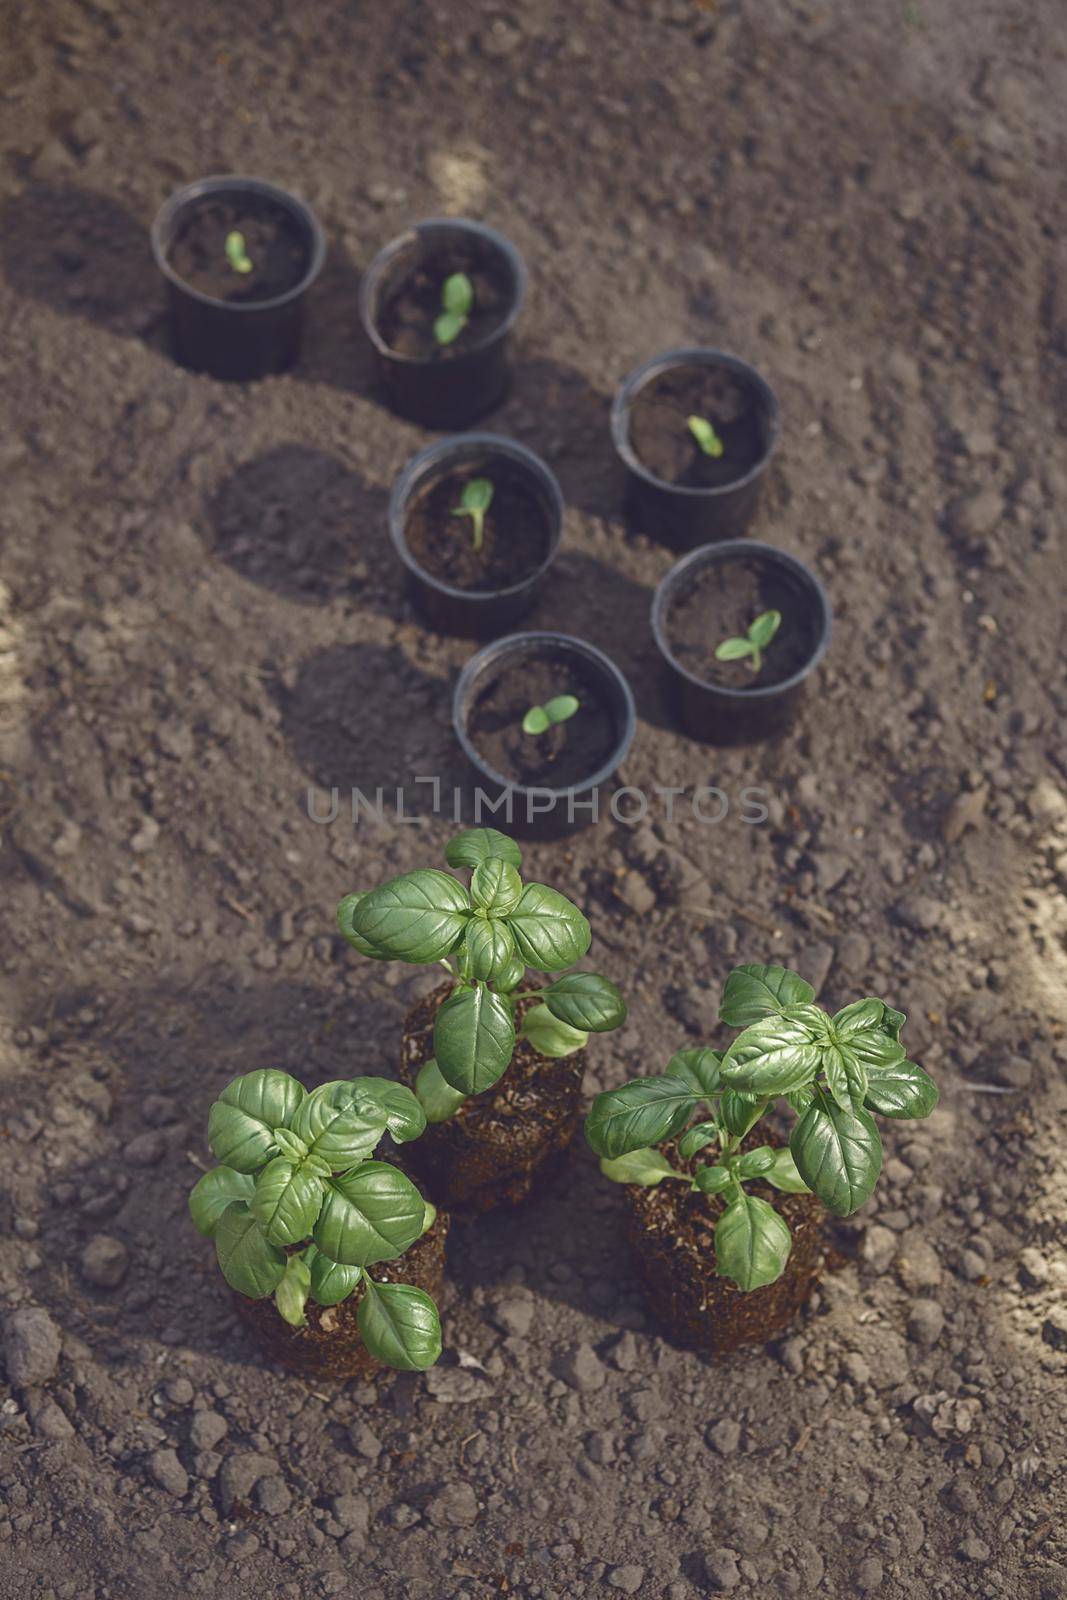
[722, 601]
[330, 1345]
[275, 244]
[566, 754]
[672, 1236]
[517, 536]
[408, 311]
[499, 1143]
[661, 438]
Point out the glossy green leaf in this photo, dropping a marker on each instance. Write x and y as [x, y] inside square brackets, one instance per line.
[833, 1066]
[291, 1295]
[474, 845]
[900, 1090]
[892, 1022]
[698, 1067]
[644, 1167]
[713, 1180]
[510, 979]
[740, 1112]
[242, 1121]
[697, 1138]
[875, 1048]
[783, 1174]
[437, 1098]
[417, 917]
[752, 1242]
[754, 1163]
[586, 1001]
[753, 992]
[294, 1149]
[331, 1281]
[495, 886]
[489, 949]
[550, 932]
[771, 1057]
[473, 1039]
[338, 1126]
[549, 1036]
[370, 1214]
[404, 1117]
[799, 1099]
[345, 913]
[813, 1019]
[855, 1075]
[286, 1201]
[645, 1111]
[247, 1260]
[858, 1017]
[215, 1191]
[400, 1326]
[429, 1216]
[764, 627]
[838, 1154]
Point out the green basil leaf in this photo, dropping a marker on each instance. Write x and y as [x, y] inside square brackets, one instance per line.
[418, 917]
[833, 1065]
[697, 1138]
[586, 1001]
[474, 845]
[900, 1090]
[399, 1325]
[489, 948]
[812, 1018]
[645, 1111]
[289, 1146]
[510, 979]
[858, 1017]
[403, 1115]
[892, 1022]
[697, 1067]
[337, 1126]
[345, 913]
[496, 886]
[550, 932]
[473, 1039]
[286, 1201]
[331, 1281]
[549, 1036]
[799, 1099]
[771, 1057]
[754, 1163]
[644, 1167]
[713, 1180]
[753, 992]
[783, 1174]
[370, 1214]
[429, 1216]
[752, 1242]
[855, 1074]
[875, 1048]
[241, 1123]
[437, 1098]
[215, 1191]
[291, 1295]
[838, 1154]
[740, 1112]
[248, 1261]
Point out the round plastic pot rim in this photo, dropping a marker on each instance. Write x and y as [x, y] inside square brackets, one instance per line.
[520, 643]
[696, 356]
[369, 283]
[415, 471]
[711, 554]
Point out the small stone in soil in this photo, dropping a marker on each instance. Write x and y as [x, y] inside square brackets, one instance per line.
[31, 1347]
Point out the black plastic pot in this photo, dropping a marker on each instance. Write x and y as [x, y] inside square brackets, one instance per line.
[723, 715]
[472, 613]
[680, 514]
[449, 390]
[541, 812]
[235, 340]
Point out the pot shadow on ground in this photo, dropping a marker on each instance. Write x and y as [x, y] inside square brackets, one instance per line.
[554, 410]
[299, 522]
[334, 349]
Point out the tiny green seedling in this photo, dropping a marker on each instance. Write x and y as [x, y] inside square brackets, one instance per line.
[833, 1072]
[705, 435]
[759, 635]
[236, 253]
[559, 709]
[299, 1208]
[457, 297]
[474, 502]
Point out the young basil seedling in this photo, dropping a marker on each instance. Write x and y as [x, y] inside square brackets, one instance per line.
[457, 297]
[474, 502]
[559, 709]
[759, 635]
[833, 1071]
[235, 252]
[705, 435]
[300, 1208]
[486, 935]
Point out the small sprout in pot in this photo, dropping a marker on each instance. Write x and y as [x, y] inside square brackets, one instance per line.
[236, 253]
[457, 297]
[834, 1071]
[299, 1208]
[705, 435]
[560, 708]
[485, 933]
[474, 502]
[759, 635]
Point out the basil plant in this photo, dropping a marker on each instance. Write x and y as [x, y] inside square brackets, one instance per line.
[486, 935]
[299, 1208]
[833, 1071]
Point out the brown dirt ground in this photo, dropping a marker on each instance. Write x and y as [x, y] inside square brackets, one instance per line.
[201, 616]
